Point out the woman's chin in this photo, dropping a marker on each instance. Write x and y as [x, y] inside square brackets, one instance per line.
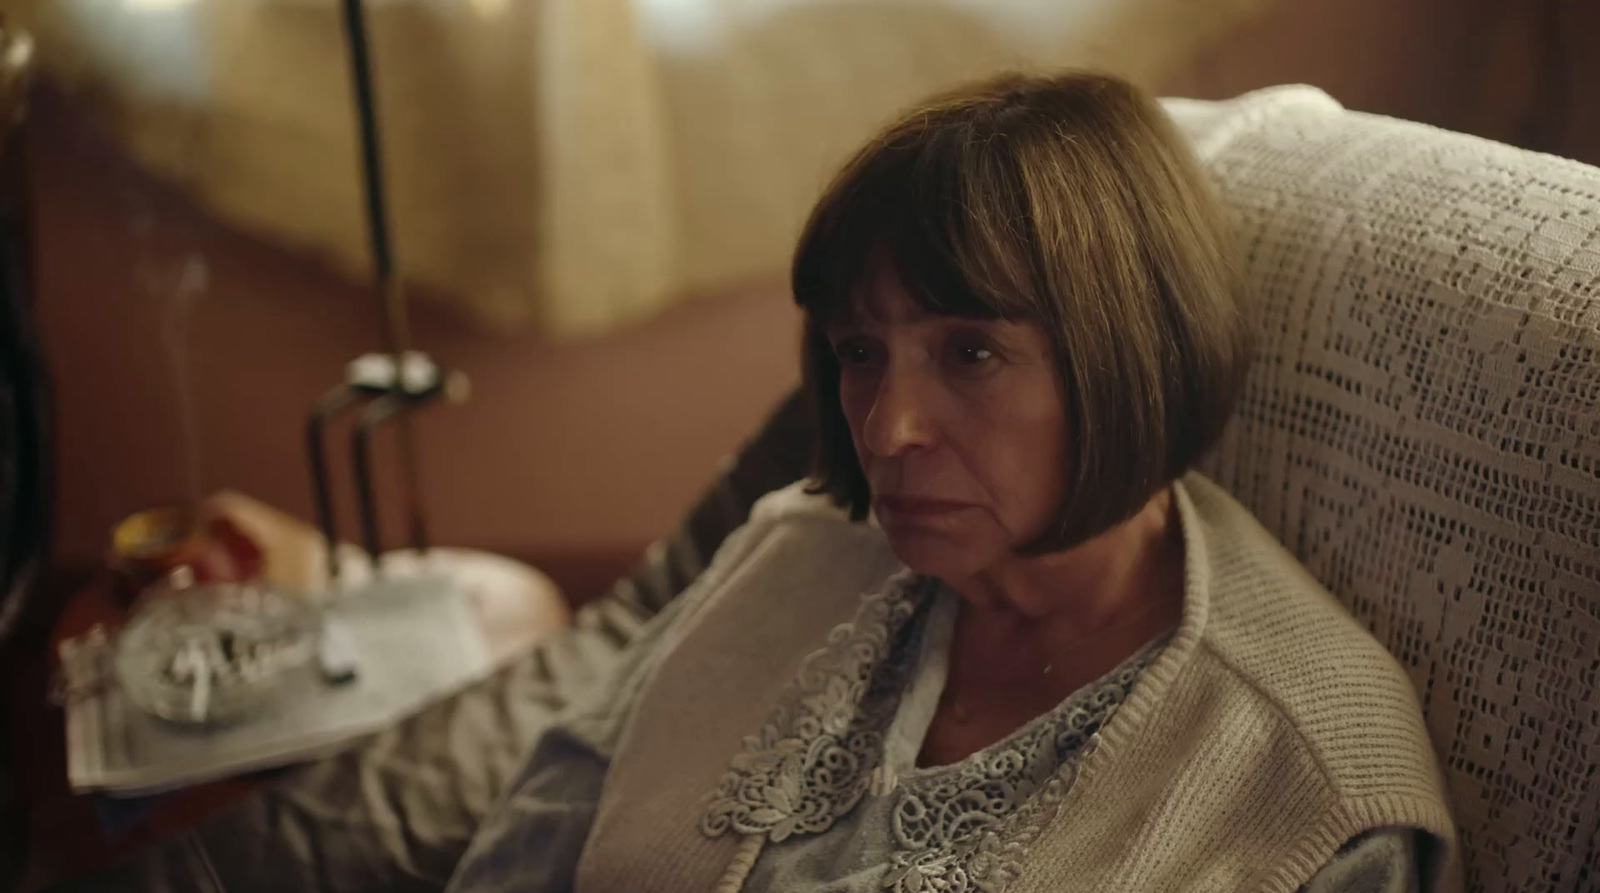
[932, 553]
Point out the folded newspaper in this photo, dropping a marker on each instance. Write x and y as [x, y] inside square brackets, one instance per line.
[415, 640]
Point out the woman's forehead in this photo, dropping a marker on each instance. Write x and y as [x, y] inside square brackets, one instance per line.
[883, 298]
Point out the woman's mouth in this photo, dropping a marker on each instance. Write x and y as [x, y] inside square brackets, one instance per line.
[917, 509]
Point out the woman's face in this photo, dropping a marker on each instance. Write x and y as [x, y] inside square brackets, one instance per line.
[958, 425]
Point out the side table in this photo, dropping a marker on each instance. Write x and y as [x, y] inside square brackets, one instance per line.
[74, 834]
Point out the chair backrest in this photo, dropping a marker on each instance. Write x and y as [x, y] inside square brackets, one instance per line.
[1422, 428]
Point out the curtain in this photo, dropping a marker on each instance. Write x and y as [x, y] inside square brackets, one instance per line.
[577, 165]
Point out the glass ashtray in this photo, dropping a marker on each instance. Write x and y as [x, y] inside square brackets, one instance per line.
[216, 652]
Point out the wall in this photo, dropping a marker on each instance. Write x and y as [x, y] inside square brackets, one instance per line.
[568, 449]
[593, 448]
[1509, 70]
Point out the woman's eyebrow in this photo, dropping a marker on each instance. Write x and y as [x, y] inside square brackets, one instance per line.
[838, 328]
[851, 318]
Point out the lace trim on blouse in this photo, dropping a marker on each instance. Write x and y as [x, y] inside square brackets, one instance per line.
[814, 757]
[956, 828]
[967, 826]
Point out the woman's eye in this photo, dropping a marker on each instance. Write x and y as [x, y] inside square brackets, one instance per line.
[971, 352]
[852, 353]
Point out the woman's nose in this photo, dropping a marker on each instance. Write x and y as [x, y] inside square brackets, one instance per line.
[900, 419]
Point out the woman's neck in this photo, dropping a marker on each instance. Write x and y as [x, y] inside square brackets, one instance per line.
[1042, 627]
[1098, 582]
[1032, 633]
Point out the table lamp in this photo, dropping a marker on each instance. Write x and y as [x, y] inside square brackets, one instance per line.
[386, 387]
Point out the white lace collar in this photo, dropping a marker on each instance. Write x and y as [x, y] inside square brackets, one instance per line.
[955, 828]
[814, 757]
[967, 826]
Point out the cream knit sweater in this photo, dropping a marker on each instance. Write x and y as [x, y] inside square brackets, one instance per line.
[1271, 729]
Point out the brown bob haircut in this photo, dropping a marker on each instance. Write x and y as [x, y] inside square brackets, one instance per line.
[1070, 202]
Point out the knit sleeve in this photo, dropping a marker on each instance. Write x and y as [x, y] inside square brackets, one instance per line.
[1383, 860]
[531, 840]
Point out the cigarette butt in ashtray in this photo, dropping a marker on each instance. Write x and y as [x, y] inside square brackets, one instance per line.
[192, 662]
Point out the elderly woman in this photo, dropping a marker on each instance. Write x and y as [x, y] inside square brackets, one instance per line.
[1005, 638]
